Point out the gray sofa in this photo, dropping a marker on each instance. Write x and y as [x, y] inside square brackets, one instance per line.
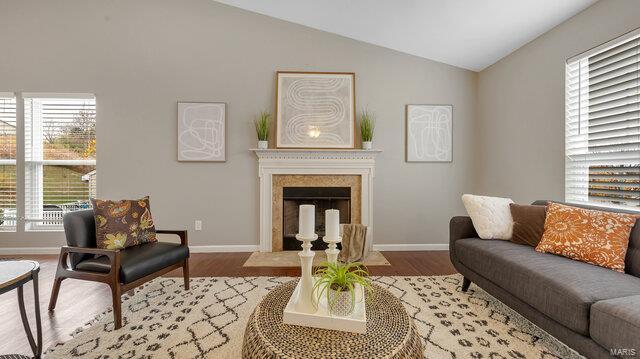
[591, 309]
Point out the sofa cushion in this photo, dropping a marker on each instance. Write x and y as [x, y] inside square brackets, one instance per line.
[561, 288]
[490, 215]
[632, 260]
[528, 223]
[139, 261]
[615, 323]
[587, 235]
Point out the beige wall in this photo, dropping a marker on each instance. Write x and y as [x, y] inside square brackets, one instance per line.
[521, 104]
[140, 57]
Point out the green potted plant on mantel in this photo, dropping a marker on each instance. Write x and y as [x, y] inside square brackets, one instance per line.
[262, 123]
[367, 125]
[339, 283]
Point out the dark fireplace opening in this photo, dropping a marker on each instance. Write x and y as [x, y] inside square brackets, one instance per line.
[323, 198]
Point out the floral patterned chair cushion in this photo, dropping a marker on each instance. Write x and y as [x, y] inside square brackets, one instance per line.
[122, 224]
[596, 237]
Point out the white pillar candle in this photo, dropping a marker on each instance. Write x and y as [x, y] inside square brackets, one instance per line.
[307, 220]
[332, 223]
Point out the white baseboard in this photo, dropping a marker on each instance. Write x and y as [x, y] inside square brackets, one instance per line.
[238, 248]
[224, 248]
[29, 250]
[193, 249]
[411, 247]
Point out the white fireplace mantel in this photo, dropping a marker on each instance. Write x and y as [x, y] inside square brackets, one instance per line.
[314, 162]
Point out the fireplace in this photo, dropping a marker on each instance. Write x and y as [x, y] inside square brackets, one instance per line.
[342, 192]
[334, 170]
[323, 198]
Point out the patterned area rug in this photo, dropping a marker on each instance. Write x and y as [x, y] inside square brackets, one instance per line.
[163, 321]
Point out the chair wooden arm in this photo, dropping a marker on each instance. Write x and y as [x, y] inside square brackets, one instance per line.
[180, 233]
[84, 250]
[65, 271]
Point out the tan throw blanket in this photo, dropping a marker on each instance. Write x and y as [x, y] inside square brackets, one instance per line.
[353, 243]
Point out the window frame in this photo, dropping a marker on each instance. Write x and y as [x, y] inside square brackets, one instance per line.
[13, 162]
[24, 224]
[582, 60]
[35, 168]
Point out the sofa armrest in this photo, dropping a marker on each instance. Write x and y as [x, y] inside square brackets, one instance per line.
[459, 227]
[180, 233]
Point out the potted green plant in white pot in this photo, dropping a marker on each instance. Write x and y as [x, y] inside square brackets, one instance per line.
[339, 283]
[262, 123]
[367, 125]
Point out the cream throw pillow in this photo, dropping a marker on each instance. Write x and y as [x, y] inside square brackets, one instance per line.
[491, 216]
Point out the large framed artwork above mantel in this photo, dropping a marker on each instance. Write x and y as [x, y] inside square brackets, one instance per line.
[315, 110]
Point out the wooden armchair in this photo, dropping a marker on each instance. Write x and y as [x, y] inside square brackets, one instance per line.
[122, 270]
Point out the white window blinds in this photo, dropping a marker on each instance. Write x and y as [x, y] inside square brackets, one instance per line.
[7, 162]
[602, 161]
[60, 157]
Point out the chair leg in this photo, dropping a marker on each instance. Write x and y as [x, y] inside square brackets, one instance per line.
[466, 282]
[117, 306]
[185, 273]
[54, 293]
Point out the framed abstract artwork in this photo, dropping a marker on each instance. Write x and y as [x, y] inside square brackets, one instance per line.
[201, 131]
[315, 110]
[429, 133]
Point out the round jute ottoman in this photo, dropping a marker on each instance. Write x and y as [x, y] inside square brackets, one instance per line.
[390, 331]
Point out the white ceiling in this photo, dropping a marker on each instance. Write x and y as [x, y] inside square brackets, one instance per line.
[471, 34]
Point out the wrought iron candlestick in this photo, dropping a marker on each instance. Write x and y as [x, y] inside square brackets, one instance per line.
[305, 302]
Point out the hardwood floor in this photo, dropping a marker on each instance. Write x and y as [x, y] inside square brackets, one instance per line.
[80, 301]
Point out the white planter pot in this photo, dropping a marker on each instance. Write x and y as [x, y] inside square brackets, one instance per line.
[367, 145]
[342, 303]
[263, 145]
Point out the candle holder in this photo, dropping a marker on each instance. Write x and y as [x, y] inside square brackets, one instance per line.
[304, 302]
[303, 310]
[332, 251]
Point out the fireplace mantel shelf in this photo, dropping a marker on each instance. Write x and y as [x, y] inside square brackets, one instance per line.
[337, 154]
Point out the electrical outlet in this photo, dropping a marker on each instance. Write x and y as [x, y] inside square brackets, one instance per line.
[198, 225]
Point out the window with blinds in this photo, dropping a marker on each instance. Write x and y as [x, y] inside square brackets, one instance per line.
[60, 157]
[602, 162]
[8, 211]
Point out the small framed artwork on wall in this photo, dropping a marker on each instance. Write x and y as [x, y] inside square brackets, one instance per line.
[429, 133]
[315, 110]
[201, 132]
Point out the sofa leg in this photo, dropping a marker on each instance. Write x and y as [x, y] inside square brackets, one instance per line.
[117, 306]
[185, 274]
[54, 293]
[466, 282]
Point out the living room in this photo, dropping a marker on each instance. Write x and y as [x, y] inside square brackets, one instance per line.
[243, 178]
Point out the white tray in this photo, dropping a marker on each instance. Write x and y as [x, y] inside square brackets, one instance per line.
[354, 323]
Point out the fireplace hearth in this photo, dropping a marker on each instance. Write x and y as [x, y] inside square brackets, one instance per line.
[323, 198]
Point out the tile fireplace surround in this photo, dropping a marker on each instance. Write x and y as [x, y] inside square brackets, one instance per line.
[278, 168]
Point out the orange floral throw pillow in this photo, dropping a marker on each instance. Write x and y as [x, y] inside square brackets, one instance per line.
[590, 236]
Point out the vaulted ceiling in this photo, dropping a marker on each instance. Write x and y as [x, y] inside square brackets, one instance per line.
[471, 34]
